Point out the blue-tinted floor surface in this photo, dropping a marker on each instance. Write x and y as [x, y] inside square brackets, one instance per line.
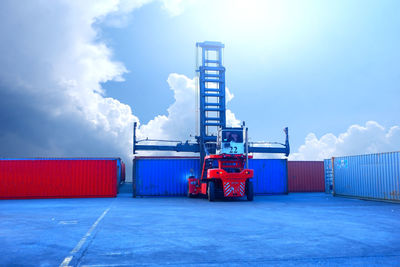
[289, 230]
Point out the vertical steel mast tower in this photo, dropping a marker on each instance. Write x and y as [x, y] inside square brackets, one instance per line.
[211, 78]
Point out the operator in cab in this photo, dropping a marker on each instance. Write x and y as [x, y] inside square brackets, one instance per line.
[233, 136]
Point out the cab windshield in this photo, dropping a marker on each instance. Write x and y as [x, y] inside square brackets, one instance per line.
[232, 136]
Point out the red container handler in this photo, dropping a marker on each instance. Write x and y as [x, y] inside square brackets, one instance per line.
[58, 178]
[306, 176]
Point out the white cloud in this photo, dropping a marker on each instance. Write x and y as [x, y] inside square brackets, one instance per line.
[52, 64]
[180, 123]
[371, 138]
[173, 7]
[120, 12]
[231, 120]
[229, 95]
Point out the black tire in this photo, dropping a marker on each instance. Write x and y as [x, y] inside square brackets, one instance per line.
[250, 191]
[211, 191]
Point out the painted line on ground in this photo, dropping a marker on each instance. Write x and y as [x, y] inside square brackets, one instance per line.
[68, 222]
[83, 240]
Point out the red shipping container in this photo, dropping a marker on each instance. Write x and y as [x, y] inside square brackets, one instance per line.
[306, 176]
[58, 178]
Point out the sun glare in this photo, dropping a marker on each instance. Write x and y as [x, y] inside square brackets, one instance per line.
[256, 17]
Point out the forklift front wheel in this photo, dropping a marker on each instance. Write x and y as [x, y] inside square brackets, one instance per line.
[211, 191]
[250, 191]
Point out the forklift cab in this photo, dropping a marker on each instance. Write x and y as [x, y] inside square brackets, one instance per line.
[231, 141]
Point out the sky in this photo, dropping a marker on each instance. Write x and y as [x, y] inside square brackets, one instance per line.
[75, 75]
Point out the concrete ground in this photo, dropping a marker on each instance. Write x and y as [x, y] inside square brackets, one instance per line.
[289, 230]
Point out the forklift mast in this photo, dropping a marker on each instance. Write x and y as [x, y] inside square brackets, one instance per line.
[211, 83]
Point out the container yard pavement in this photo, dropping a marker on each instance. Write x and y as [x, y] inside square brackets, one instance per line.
[287, 230]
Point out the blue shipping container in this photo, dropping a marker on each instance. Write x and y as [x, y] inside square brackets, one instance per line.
[270, 176]
[163, 176]
[373, 176]
[168, 176]
[328, 176]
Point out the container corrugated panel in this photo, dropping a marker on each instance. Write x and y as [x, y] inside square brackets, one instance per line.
[167, 176]
[373, 176]
[163, 176]
[328, 176]
[306, 176]
[270, 176]
[58, 178]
